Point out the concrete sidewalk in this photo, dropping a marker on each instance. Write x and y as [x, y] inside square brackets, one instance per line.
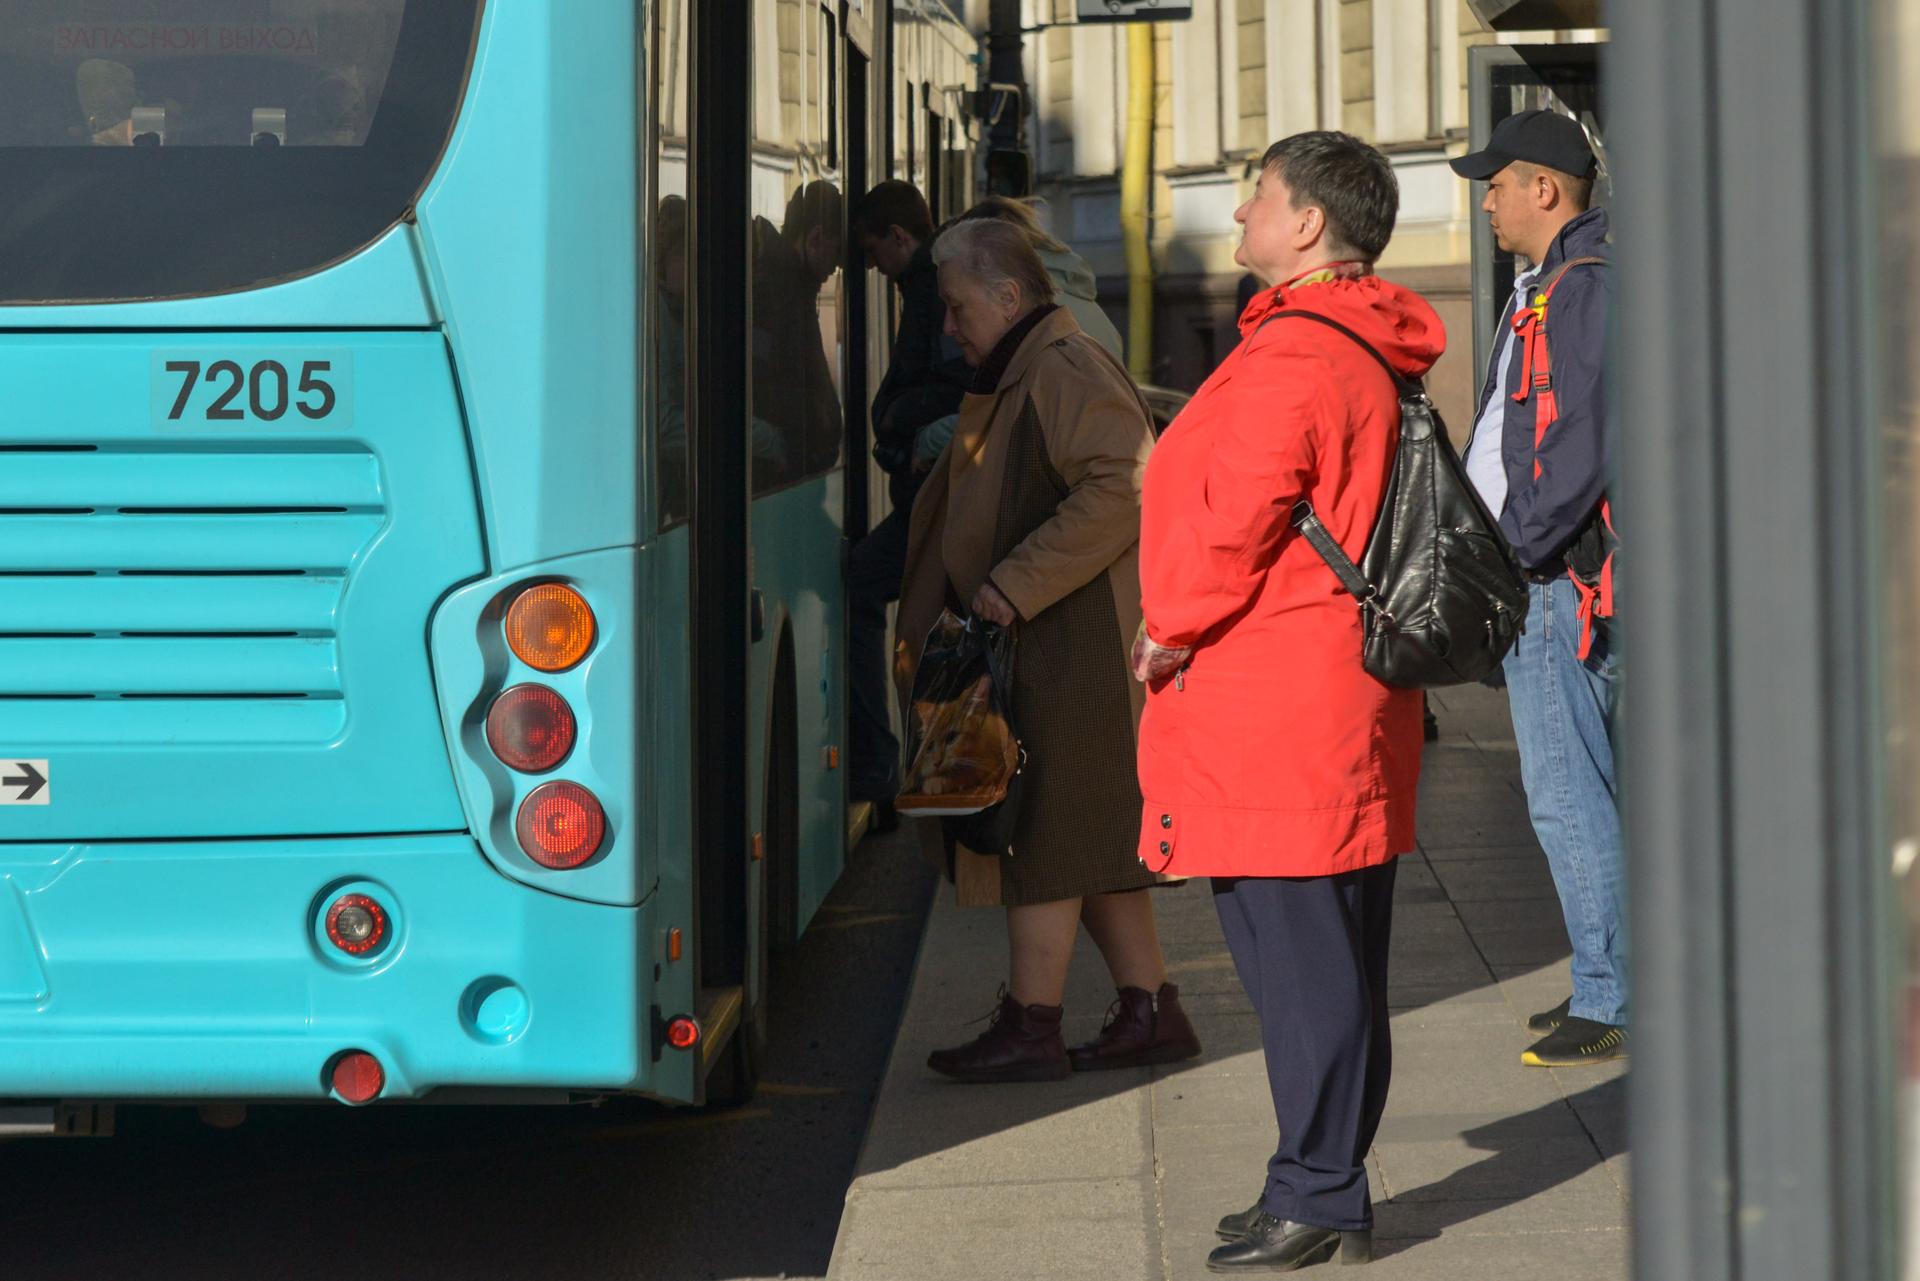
[1482, 1168]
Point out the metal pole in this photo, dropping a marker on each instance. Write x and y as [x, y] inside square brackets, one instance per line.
[1006, 65]
[1136, 177]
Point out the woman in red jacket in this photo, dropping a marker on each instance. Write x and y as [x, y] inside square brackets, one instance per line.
[1269, 759]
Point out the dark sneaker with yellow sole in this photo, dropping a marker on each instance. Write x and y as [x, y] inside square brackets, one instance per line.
[1550, 1020]
[1578, 1043]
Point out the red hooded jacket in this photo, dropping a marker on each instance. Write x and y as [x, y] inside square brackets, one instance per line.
[1274, 753]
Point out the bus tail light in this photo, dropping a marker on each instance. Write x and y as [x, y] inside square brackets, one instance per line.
[531, 728]
[358, 1077]
[683, 1033]
[550, 627]
[561, 825]
[357, 924]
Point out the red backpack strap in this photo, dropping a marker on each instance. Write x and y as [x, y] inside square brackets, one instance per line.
[1536, 380]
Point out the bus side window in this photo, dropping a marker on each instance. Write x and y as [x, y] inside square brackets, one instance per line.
[797, 423]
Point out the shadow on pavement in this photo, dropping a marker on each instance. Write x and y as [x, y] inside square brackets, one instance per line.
[634, 1190]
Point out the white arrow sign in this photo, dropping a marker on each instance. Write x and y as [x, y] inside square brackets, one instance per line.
[25, 783]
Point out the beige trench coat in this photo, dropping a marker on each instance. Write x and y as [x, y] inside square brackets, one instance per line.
[1040, 490]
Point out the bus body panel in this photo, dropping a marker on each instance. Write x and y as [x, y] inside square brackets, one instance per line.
[201, 970]
[529, 235]
[215, 616]
[473, 665]
[798, 550]
[381, 287]
[664, 755]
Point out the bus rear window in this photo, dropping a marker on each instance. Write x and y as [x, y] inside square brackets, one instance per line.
[160, 150]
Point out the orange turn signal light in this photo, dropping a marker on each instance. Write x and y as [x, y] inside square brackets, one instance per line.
[550, 627]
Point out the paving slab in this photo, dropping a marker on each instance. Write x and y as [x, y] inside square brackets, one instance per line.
[1483, 1167]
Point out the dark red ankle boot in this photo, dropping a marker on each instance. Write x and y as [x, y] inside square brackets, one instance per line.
[1142, 1027]
[1021, 1043]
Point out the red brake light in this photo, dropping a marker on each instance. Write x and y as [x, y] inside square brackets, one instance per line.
[561, 825]
[356, 924]
[358, 1077]
[531, 728]
[683, 1033]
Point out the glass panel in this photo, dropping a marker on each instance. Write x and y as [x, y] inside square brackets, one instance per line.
[667, 261]
[228, 143]
[1897, 114]
[220, 73]
[799, 237]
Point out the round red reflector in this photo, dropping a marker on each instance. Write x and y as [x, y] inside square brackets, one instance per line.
[683, 1033]
[530, 728]
[358, 1077]
[550, 627]
[356, 924]
[561, 825]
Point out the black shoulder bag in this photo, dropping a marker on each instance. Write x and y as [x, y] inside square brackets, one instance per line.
[1441, 596]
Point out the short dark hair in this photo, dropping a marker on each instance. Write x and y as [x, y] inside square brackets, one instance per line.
[1577, 189]
[815, 206]
[894, 203]
[1351, 182]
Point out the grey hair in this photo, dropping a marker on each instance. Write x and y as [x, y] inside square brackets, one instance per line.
[995, 253]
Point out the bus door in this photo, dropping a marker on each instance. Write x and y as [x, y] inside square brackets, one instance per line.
[866, 296]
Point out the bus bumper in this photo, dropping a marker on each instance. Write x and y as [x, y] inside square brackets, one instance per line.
[202, 970]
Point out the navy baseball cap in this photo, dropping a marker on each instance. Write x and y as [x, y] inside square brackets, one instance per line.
[1537, 137]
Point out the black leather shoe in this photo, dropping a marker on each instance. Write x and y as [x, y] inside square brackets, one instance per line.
[1277, 1245]
[1234, 1226]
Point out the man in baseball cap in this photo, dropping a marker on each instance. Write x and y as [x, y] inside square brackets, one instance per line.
[1540, 463]
[1545, 139]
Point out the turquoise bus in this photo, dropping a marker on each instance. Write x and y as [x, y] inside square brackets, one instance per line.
[430, 439]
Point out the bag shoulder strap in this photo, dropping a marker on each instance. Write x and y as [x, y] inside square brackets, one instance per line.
[1305, 519]
[1559, 273]
[1401, 384]
[1308, 523]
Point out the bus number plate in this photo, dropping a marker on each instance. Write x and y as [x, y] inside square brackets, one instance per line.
[260, 389]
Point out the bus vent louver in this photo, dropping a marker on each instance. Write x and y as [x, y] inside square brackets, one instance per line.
[140, 580]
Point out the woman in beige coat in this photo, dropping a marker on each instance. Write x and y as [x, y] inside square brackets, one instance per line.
[1032, 518]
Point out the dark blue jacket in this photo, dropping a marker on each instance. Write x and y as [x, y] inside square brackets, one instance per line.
[927, 378]
[1544, 517]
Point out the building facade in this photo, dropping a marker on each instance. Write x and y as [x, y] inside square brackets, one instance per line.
[1228, 82]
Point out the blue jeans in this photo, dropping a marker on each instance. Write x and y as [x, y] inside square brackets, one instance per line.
[1563, 721]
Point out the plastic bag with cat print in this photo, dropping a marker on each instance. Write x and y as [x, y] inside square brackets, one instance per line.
[964, 756]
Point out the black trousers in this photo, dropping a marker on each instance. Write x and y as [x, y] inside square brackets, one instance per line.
[1312, 954]
[873, 582]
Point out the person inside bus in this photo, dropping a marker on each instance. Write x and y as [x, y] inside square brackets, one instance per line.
[797, 426]
[1073, 286]
[107, 98]
[1031, 518]
[1547, 481]
[1271, 761]
[925, 380]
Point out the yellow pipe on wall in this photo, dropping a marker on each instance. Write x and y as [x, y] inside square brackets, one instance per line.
[1136, 176]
